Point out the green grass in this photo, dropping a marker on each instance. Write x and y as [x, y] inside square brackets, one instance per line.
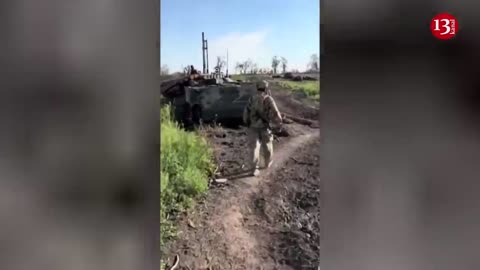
[310, 88]
[241, 77]
[249, 77]
[186, 162]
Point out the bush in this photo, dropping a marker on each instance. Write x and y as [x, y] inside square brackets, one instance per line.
[186, 162]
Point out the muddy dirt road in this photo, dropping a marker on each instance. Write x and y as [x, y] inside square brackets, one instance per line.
[265, 222]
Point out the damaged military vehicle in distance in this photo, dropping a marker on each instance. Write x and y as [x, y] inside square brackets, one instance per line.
[207, 98]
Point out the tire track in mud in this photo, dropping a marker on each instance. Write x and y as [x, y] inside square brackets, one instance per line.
[229, 230]
[290, 207]
[251, 237]
[251, 183]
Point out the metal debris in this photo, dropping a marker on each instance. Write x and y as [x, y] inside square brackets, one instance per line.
[221, 180]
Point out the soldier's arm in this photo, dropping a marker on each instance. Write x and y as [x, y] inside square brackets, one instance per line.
[274, 114]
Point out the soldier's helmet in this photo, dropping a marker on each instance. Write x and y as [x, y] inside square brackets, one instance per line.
[262, 85]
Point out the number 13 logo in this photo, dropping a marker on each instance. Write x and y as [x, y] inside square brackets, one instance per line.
[444, 26]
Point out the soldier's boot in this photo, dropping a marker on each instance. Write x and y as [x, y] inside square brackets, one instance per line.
[256, 172]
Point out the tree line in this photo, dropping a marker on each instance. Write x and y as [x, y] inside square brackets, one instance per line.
[250, 67]
[278, 64]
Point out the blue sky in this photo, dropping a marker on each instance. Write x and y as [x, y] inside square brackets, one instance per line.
[255, 29]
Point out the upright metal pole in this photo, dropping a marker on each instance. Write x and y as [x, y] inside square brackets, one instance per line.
[206, 49]
[203, 51]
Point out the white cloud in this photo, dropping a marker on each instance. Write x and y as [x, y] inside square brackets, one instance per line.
[241, 47]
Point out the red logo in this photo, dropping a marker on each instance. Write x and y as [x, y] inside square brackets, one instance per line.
[444, 26]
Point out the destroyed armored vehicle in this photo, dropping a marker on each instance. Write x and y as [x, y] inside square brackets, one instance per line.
[288, 75]
[207, 99]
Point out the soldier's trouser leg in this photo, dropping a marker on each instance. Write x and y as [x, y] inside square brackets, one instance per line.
[253, 148]
[266, 146]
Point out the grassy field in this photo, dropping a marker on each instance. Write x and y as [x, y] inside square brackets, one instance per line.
[310, 88]
[186, 162]
[245, 78]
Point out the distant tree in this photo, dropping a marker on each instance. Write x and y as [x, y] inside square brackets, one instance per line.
[284, 64]
[239, 67]
[220, 63]
[314, 62]
[254, 68]
[164, 70]
[247, 65]
[187, 69]
[275, 63]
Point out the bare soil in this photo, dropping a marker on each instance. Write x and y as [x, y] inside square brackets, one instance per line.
[295, 104]
[266, 222]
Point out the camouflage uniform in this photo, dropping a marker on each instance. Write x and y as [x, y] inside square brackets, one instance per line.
[261, 115]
